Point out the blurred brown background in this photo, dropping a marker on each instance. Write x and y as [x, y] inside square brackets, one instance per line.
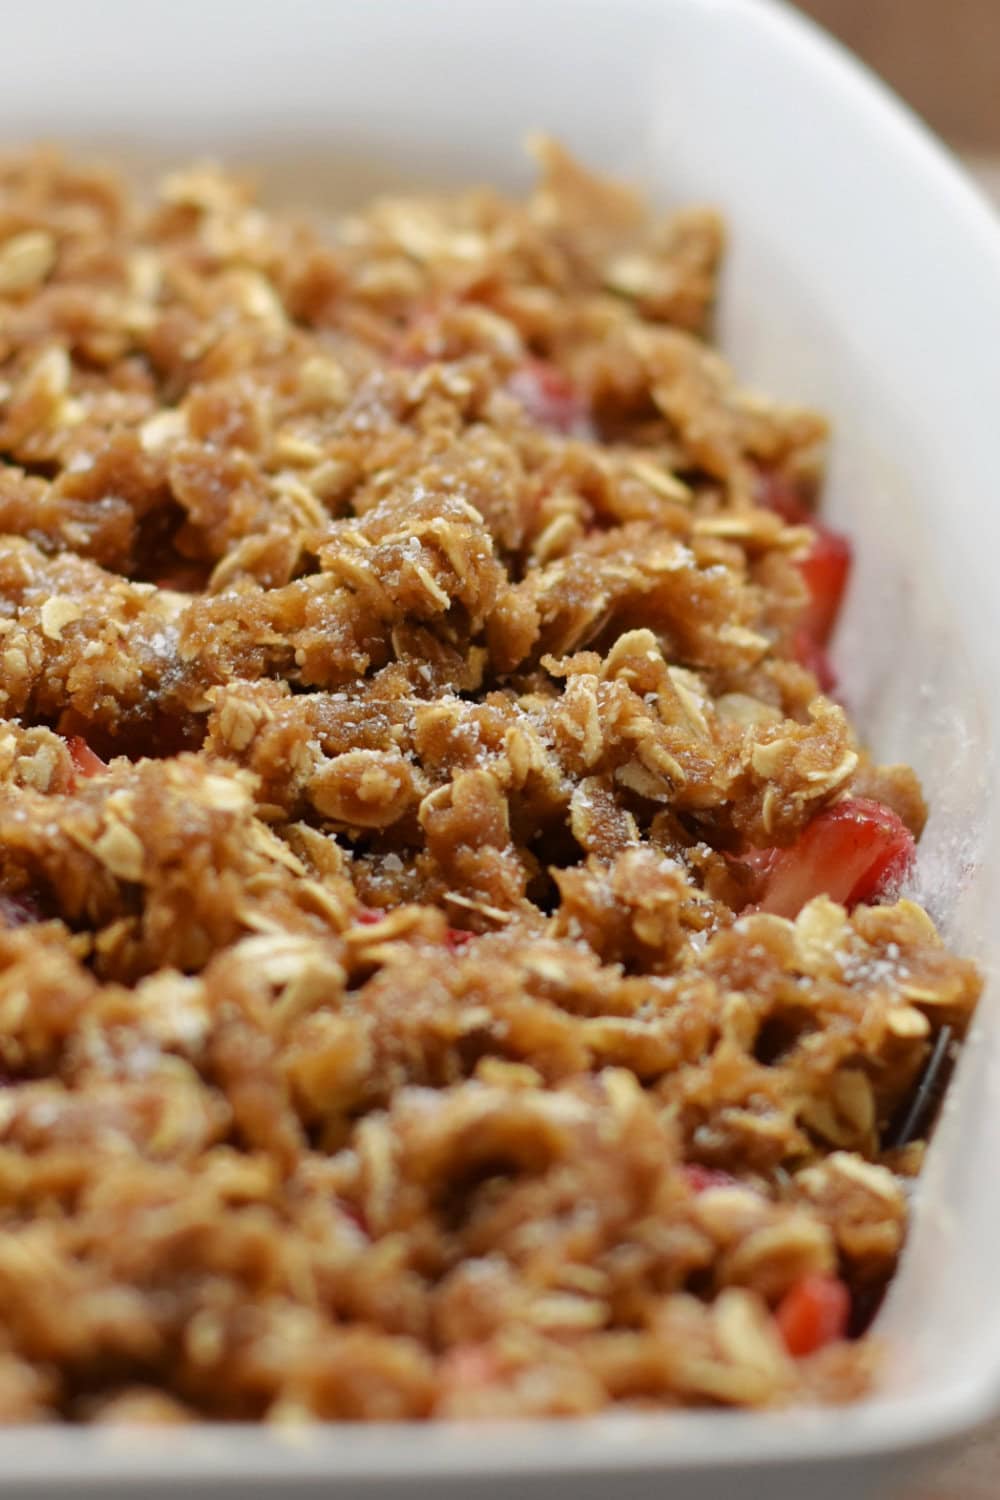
[943, 56]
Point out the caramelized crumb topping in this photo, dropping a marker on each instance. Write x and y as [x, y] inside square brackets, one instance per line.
[420, 992]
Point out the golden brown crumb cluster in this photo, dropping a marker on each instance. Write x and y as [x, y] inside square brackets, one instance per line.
[379, 1034]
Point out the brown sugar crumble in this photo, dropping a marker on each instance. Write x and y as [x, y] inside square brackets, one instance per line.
[451, 961]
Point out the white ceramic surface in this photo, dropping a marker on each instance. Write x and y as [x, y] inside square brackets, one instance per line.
[864, 276]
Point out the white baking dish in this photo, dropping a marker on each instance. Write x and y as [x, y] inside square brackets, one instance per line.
[865, 276]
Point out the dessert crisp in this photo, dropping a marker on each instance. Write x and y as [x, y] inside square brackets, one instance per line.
[452, 961]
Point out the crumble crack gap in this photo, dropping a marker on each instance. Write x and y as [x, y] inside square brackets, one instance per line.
[454, 954]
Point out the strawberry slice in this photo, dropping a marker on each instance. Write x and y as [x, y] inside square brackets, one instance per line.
[86, 762]
[815, 658]
[778, 493]
[550, 399]
[354, 1213]
[699, 1179]
[855, 851]
[367, 916]
[825, 570]
[814, 1313]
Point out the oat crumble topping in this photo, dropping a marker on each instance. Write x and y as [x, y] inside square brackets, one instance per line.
[451, 960]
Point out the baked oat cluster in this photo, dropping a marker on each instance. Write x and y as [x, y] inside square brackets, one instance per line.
[420, 989]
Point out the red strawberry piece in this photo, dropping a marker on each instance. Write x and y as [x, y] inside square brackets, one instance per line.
[550, 399]
[825, 570]
[855, 851]
[699, 1178]
[86, 762]
[814, 1313]
[778, 493]
[456, 937]
[811, 655]
[367, 916]
[354, 1213]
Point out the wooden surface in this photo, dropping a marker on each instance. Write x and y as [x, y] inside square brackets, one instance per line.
[974, 1473]
[943, 56]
